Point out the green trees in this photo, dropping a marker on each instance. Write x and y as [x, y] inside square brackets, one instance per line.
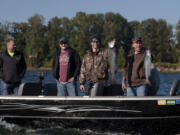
[79, 38]
[178, 41]
[52, 34]
[18, 31]
[156, 35]
[4, 29]
[35, 38]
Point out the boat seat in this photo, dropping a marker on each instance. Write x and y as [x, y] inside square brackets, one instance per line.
[35, 89]
[50, 89]
[29, 89]
[113, 90]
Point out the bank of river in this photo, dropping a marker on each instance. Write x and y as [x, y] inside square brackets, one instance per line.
[160, 69]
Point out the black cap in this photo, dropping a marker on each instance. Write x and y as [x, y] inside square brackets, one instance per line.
[63, 40]
[137, 39]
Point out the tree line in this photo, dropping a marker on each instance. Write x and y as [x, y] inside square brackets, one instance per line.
[35, 38]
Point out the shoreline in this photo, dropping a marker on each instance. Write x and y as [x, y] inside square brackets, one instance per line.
[39, 68]
[168, 70]
[160, 69]
[163, 70]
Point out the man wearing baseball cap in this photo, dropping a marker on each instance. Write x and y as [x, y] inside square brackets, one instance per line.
[94, 69]
[66, 68]
[134, 71]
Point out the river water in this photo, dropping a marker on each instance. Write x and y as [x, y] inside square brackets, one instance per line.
[166, 80]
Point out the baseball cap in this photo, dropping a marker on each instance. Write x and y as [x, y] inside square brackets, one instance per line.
[63, 40]
[95, 39]
[137, 39]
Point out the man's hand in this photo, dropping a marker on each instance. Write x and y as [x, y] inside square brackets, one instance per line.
[111, 44]
[82, 88]
[123, 86]
[71, 79]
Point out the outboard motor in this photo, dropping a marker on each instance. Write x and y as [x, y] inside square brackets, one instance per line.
[174, 88]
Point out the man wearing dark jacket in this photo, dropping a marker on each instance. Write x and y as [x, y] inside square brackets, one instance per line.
[134, 71]
[66, 68]
[12, 68]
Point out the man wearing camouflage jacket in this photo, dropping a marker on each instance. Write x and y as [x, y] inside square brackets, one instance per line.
[94, 69]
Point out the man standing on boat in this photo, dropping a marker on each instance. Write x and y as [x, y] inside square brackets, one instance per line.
[12, 68]
[134, 71]
[94, 69]
[66, 68]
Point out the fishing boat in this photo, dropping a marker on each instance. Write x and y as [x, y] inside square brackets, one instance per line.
[108, 108]
[112, 109]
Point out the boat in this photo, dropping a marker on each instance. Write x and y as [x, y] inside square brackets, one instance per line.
[108, 108]
[73, 111]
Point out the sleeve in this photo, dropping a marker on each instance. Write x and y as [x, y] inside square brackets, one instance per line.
[125, 70]
[54, 66]
[104, 64]
[23, 66]
[106, 54]
[82, 77]
[1, 66]
[78, 65]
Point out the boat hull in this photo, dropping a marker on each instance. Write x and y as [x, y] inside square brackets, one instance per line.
[105, 108]
[99, 113]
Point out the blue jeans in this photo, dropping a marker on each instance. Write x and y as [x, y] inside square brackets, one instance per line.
[66, 89]
[7, 89]
[137, 90]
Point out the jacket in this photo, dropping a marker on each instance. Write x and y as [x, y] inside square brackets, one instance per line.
[94, 66]
[12, 69]
[73, 65]
[134, 70]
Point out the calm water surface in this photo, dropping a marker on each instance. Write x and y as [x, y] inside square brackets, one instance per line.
[166, 80]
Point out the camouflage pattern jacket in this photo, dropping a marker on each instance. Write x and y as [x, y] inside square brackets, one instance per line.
[94, 66]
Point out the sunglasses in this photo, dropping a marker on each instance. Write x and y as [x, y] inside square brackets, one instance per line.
[63, 43]
[95, 41]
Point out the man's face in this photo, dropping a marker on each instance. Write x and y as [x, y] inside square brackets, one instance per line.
[63, 46]
[11, 46]
[137, 45]
[95, 45]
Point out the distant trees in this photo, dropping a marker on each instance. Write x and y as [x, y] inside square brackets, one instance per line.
[156, 35]
[35, 38]
[177, 47]
[36, 41]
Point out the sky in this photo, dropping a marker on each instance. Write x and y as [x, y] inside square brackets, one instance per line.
[21, 10]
